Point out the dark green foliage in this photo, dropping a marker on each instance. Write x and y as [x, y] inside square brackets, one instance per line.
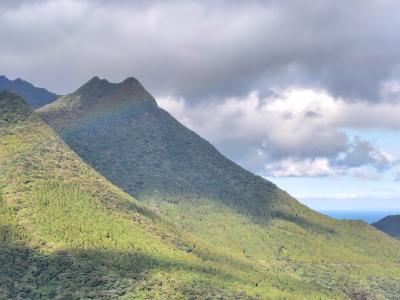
[389, 225]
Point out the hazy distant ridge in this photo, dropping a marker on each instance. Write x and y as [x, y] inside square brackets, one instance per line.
[36, 97]
[389, 225]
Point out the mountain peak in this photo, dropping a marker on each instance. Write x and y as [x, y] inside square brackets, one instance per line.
[95, 83]
[390, 225]
[100, 95]
[98, 90]
[12, 108]
[7, 97]
[95, 78]
[35, 97]
[131, 81]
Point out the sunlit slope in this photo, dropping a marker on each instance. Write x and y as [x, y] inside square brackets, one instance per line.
[120, 131]
[67, 233]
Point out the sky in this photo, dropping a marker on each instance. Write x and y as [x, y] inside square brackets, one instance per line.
[304, 93]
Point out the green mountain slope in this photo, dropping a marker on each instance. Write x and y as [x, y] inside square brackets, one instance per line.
[68, 233]
[122, 133]
[389, 225]
[36, 97]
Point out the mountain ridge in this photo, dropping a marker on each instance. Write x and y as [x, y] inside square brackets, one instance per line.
[14, 110]
[149, 119]
[96, 86]
[36, 97]
[390, 225]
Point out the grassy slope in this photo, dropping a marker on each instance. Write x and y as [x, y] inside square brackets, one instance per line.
[390, 225]
[67, 232]
[141, 148]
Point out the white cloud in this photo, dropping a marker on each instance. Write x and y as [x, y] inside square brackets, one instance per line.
[307, 167]
[361, 115]
[360, 153]
[344, 196]
[293, 132]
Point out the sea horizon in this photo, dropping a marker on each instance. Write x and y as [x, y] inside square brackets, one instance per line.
[368, 216]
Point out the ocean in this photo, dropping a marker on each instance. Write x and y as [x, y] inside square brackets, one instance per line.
[366, 216]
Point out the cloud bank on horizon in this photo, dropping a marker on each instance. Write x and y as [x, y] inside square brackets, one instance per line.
[285, 88]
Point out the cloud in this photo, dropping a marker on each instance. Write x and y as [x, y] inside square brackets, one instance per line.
[361, 153]
[363, 115]
[388, 204]
[292, 132]
[274, 84]
[205, 49]
[292, 168]
[279, 125]
[396, 173]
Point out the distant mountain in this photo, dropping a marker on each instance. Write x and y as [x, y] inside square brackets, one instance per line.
[36, 97]
[389, 225]
[121, 132]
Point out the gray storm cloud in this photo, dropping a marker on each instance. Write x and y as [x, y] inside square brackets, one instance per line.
[200, 49]
[207, 53]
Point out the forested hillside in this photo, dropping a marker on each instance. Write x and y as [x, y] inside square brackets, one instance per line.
[122, 133]
[67, 233]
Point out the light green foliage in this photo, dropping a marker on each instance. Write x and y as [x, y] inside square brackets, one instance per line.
[66, 232]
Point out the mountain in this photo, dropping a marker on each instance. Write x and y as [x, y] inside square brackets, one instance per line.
[389, 225]
[118, 129]
[36, 97]
[68, 233]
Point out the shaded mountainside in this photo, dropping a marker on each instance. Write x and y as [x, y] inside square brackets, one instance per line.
[36, 97]
[390, 225]
[122, 133]
[68, 233]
